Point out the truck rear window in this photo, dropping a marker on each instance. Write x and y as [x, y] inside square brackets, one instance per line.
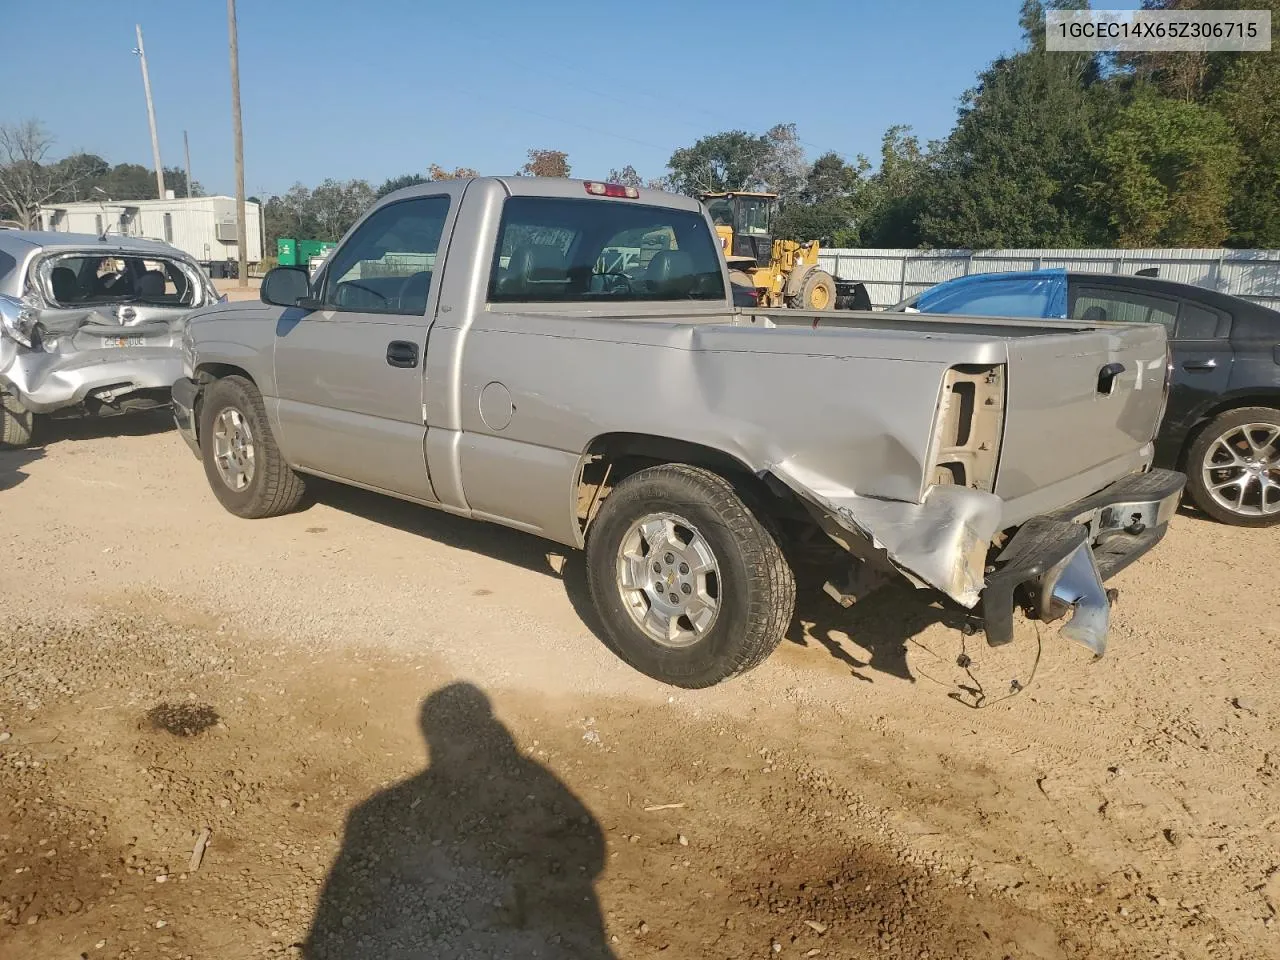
[556, 250]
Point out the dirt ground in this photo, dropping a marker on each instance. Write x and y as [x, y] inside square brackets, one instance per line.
[404, 740]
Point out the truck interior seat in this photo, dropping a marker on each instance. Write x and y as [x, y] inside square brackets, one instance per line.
[536, 268]
[670, 273]
[1094, 315]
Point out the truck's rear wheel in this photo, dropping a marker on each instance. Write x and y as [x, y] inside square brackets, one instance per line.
[241, 460]
[690, 586]
[818, 292]
[16, 422]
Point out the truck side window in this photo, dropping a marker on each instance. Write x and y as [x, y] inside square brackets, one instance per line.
[560, 250]
[387, 264]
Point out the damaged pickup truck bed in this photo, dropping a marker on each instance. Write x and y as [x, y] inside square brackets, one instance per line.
[89, 325]
[563, 358]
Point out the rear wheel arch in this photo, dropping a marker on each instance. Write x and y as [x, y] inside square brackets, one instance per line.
[613, 457]
[1257, 398]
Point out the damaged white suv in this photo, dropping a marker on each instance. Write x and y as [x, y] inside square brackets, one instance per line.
[90, 326]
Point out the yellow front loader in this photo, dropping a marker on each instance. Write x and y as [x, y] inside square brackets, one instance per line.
[784, 273]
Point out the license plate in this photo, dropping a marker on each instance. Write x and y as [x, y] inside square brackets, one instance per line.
[123, 341]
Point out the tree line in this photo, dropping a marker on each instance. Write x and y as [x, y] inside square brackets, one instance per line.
[29, 178]
[1048, 150]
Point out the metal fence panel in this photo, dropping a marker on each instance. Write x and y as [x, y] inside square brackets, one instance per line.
[893, 275]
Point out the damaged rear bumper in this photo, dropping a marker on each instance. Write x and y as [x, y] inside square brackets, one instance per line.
[1056, 564]
[185, 393]
[48, 382]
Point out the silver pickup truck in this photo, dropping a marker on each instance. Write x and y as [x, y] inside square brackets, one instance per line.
[563, 357]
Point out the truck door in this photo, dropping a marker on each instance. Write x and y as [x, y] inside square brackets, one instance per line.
[350, 374]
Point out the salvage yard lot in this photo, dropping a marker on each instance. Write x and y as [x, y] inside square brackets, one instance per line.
[167, 668]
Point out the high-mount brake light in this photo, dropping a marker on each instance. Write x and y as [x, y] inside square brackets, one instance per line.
[598, 189]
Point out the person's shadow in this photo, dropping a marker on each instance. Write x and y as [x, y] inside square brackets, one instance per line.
[483, 854]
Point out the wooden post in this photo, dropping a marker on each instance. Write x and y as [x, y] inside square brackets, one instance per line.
[242, 232]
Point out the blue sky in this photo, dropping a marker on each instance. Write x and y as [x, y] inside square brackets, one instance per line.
[375, 89]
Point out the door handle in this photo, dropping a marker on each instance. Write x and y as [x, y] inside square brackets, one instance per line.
[1209, 364]
[402, 353]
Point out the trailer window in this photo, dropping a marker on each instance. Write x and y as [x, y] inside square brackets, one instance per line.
[557, 250]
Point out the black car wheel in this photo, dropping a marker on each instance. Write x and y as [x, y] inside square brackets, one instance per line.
[1233, 467]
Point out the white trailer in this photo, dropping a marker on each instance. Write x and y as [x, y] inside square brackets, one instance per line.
[204, 227]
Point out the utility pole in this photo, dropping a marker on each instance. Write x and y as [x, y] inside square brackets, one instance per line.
[242, 231]
[186, 148]
[141, 51]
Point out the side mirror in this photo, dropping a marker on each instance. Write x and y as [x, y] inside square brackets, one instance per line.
[285, 286]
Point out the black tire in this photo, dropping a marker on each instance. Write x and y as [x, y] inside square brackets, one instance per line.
[273, 487]
[818, 284]
[16, 422]
[1202, 448]
[755, 585]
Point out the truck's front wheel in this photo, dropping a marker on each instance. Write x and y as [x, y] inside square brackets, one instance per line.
[244, 466]
[690, 586]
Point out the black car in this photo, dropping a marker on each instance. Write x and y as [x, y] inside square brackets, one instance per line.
[1222, 424]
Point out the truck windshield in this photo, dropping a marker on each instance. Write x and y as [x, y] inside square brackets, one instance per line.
[554, 249]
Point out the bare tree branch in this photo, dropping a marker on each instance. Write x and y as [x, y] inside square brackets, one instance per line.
[27, 179]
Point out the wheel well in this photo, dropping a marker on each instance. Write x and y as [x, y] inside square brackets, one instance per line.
[611, 458]
[1223, 406]
[208, 372]
[216, 371]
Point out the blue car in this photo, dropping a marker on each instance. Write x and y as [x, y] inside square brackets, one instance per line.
[1222, 423]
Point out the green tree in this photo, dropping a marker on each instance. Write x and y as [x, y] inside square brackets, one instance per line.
[1013, 171]
[1169, 167]
[736, 160]
[129, 181]
[894, 196]
[434, 172]
[733, 160]
[827, 206]
[336, 204]
[399, 183]
[1247, 97]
